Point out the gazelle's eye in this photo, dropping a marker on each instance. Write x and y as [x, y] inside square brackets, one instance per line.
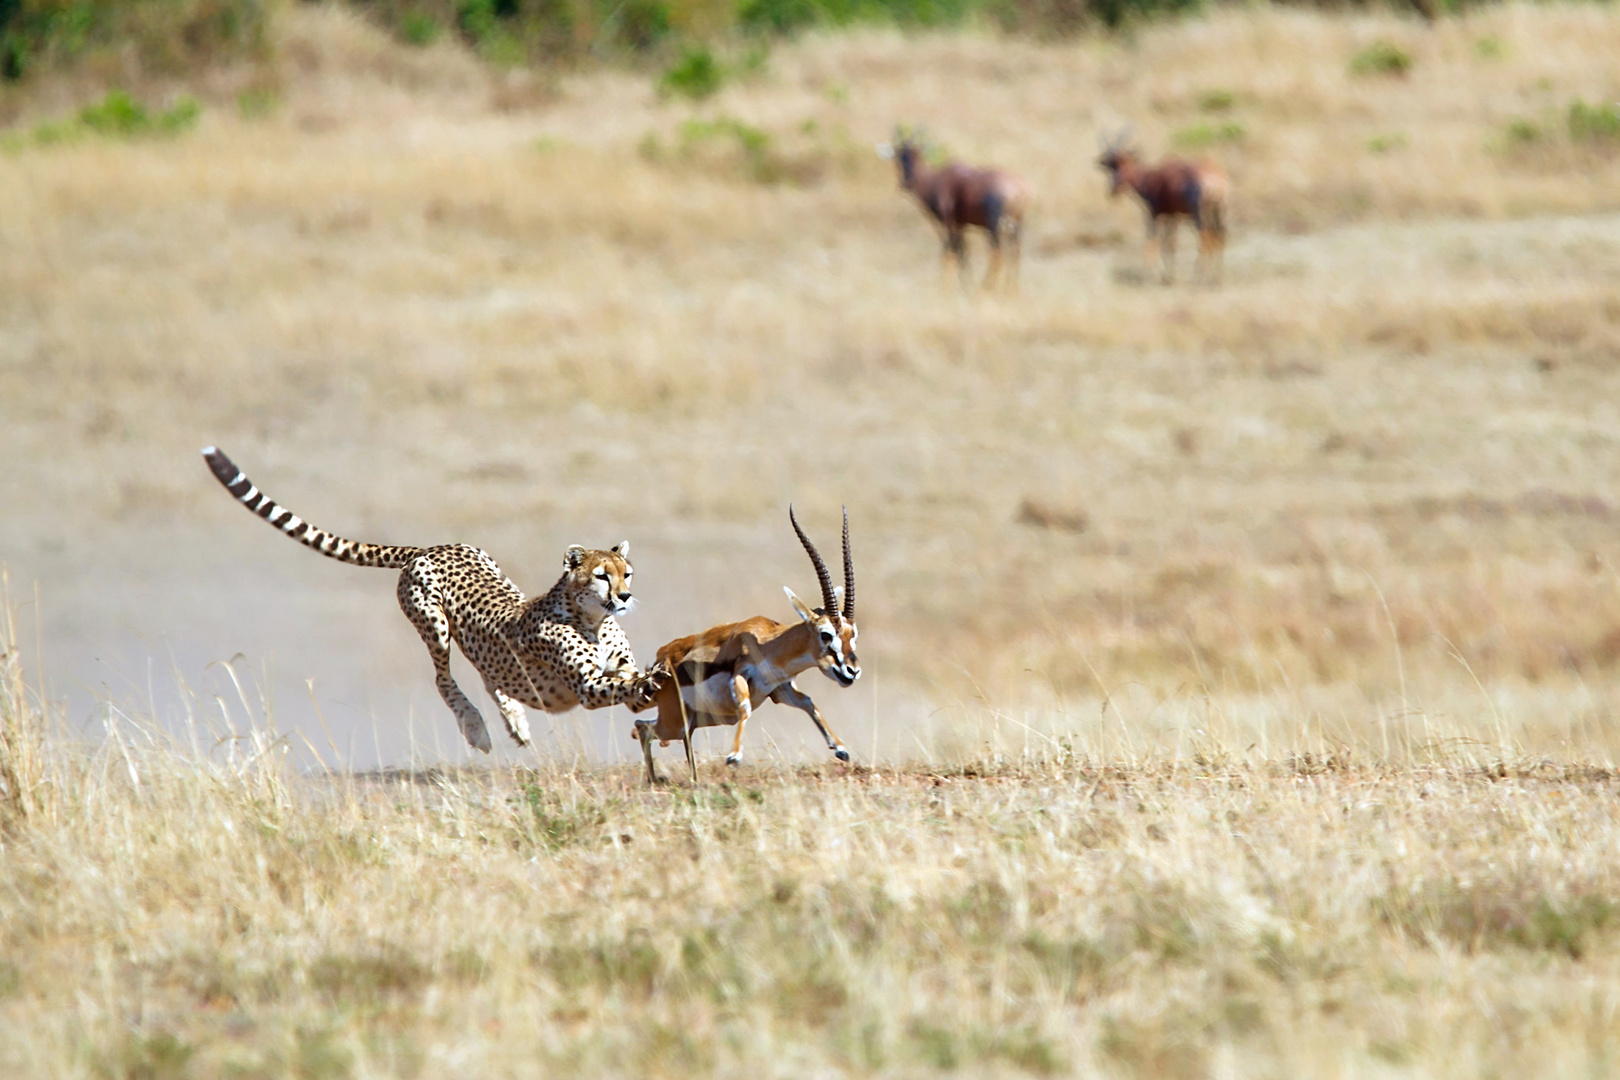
[826, 637]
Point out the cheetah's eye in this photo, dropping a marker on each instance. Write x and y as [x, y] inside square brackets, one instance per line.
[602, 574]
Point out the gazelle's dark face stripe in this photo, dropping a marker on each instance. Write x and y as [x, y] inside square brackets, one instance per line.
[836, 638]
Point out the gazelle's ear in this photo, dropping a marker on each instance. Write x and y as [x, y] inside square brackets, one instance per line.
[798, 605]
[622, 549]
[573, 556]
[838, 597]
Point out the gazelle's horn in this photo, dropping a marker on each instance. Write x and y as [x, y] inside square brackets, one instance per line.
[849, 574]
[829, 602]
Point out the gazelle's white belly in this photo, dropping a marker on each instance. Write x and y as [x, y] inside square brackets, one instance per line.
[711, 697]
[711, 702]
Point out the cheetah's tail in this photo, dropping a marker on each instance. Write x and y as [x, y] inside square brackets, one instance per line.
[388, 556]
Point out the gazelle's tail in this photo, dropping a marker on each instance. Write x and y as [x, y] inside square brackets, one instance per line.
[388, 556]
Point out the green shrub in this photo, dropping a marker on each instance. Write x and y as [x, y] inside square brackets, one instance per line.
[1490, 48]
[166, 35]
[1591, 123]
[418, 28]
[1381, 58]
[118, 114]
[1217, 100]
[697, 74]
[1383, 144]
[779, 16]
[1200, 136]
[1522, 129]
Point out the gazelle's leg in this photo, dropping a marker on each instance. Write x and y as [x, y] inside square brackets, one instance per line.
[1167, 248]
[788, 694]
[993, 274]
[418, 600]
[1150, 252]
[517, 721]
[739, 693]
[644, 732]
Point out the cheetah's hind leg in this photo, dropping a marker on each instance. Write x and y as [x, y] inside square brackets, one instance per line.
[418, 599]
[517, 721]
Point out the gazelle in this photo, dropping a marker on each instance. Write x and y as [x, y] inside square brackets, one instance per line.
[727, 671]
[1171, 190]
[961, 196]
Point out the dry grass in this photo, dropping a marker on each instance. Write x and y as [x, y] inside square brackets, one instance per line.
[198, 912]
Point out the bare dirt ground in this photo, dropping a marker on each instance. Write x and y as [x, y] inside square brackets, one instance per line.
[1364, 491]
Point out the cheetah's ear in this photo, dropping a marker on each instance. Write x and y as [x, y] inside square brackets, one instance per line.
[573, 556]
[622, 549]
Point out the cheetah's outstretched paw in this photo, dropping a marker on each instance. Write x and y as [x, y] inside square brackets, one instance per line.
[646, 686]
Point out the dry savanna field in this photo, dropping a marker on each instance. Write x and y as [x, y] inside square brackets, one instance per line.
[1241, 689]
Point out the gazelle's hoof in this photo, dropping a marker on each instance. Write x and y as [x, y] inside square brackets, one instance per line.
[733, 759]
[841, 754]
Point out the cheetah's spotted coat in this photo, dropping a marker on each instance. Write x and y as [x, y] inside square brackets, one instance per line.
[552, 652]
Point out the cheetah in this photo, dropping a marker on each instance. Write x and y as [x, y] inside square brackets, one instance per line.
[551, 652]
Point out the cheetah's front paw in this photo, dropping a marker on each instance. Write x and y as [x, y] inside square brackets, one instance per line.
[647, 685]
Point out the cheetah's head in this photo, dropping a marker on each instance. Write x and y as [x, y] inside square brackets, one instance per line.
[600, 580]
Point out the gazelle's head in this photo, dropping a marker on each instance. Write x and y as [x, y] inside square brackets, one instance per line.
[600, 580]
[1117, 159]
[834, 621]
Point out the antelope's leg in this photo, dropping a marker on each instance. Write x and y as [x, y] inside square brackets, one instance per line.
[788, 694]
[1150, 253]
[1167, 248]
[955, 251]
[993, 274]
[739, 693]
[644, 733]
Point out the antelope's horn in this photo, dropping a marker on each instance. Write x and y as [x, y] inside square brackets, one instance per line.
[829, 603]
[849, 574]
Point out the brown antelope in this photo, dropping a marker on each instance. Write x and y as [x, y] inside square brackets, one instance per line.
[960, 197]
[724, 673]
[1172, 190]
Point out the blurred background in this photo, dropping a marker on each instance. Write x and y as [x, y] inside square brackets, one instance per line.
[525, 276]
